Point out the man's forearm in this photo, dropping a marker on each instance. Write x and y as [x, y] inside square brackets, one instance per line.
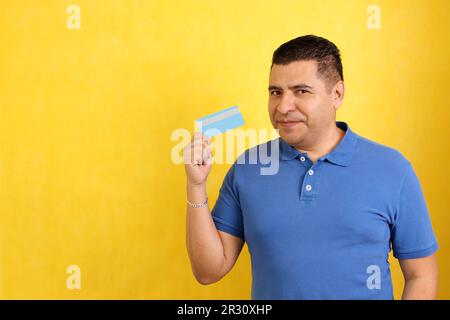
[420, 288]
[203, 241]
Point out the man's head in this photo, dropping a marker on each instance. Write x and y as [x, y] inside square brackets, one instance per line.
[305, 86]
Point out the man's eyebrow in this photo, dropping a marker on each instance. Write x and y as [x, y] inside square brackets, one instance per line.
[294, 87]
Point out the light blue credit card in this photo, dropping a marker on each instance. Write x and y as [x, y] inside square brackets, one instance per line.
[221, 121]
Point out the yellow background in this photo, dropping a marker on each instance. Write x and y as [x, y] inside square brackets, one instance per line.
[86, 118]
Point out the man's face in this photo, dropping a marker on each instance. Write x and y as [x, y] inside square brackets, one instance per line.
[300, 106]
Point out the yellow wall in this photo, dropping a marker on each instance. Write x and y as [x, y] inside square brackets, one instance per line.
[86, 118]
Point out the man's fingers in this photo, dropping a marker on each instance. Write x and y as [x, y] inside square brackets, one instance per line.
[198, 151]
[199, 138]
[200, 154]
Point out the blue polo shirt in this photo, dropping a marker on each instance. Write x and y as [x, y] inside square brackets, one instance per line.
[324, 230]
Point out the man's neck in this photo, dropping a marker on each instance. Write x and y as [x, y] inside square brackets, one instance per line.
[327, 143]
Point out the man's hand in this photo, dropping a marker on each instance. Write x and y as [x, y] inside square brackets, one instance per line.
[197, 159]
[421, 278]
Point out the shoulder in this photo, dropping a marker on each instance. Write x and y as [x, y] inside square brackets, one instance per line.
[256, 159]
[259, 155]
[381, 164]
[376, 153]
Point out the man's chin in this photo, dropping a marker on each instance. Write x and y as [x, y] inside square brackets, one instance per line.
[289, 135]
[291, 138]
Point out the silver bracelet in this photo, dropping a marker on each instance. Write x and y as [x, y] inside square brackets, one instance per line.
[198, 205]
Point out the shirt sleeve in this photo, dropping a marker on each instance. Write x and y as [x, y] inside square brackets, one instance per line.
[227, 213]
[412, 233]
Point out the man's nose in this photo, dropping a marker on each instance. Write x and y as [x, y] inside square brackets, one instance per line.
[286, 104]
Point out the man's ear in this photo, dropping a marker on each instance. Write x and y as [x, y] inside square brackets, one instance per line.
[338, 94]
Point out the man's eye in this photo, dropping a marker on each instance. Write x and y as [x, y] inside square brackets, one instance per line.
[274, 93]
[302, 91]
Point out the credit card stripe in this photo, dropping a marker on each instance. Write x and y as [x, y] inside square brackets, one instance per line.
[226, 124]
[225, 114]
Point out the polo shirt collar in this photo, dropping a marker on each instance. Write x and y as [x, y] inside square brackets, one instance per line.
[340, 155]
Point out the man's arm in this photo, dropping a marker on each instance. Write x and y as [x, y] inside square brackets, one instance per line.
[421, 278]
[212, 253]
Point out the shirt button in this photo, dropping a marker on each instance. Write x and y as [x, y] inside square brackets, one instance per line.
[308, 187]
[311, 172]
[302, 158]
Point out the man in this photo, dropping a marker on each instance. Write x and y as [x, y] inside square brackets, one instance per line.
[322, 226]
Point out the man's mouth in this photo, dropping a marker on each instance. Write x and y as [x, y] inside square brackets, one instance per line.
[288, 123]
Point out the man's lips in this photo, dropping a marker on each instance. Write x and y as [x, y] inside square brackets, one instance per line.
[288, 123]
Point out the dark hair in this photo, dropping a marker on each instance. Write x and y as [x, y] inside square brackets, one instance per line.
[311, 47]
